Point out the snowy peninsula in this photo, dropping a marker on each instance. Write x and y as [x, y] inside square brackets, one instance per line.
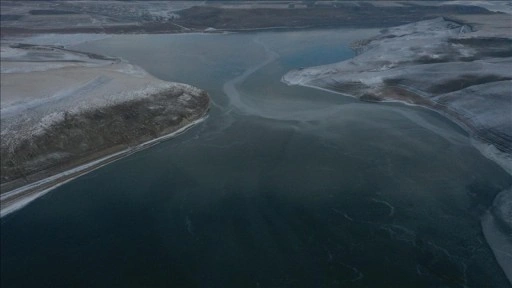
[65, 112]
[460, 71]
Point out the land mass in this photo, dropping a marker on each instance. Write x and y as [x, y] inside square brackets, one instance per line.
[29, 17]
[67, 112]
[62, 110]
[441, 64]
[459, 70]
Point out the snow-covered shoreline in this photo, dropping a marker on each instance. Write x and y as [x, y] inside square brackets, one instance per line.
[62, 108]
[15, 199]
[497, 237]
[403, 76]
[443, 66]
[502, 159]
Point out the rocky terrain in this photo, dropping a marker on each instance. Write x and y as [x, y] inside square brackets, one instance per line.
[61, 109]
[440, 64]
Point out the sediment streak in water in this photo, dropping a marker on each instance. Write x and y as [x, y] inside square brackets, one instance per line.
[231, 90]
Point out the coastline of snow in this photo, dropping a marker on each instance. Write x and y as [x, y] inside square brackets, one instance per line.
[65, 113]
[447, 67]
[439, 64]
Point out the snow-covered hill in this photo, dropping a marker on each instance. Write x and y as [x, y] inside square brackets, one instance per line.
[61, 109]
[437, 63]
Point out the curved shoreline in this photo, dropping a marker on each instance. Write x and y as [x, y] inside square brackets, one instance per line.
[370, 79]
[18, 198]
[62, 122]
[494, 237]
[294, 130]
[486, 149]
[470, 92]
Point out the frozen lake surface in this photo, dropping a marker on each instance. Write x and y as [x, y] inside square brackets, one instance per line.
[280, 187]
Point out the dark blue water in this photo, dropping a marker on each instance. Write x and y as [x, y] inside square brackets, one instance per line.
[280, 187]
